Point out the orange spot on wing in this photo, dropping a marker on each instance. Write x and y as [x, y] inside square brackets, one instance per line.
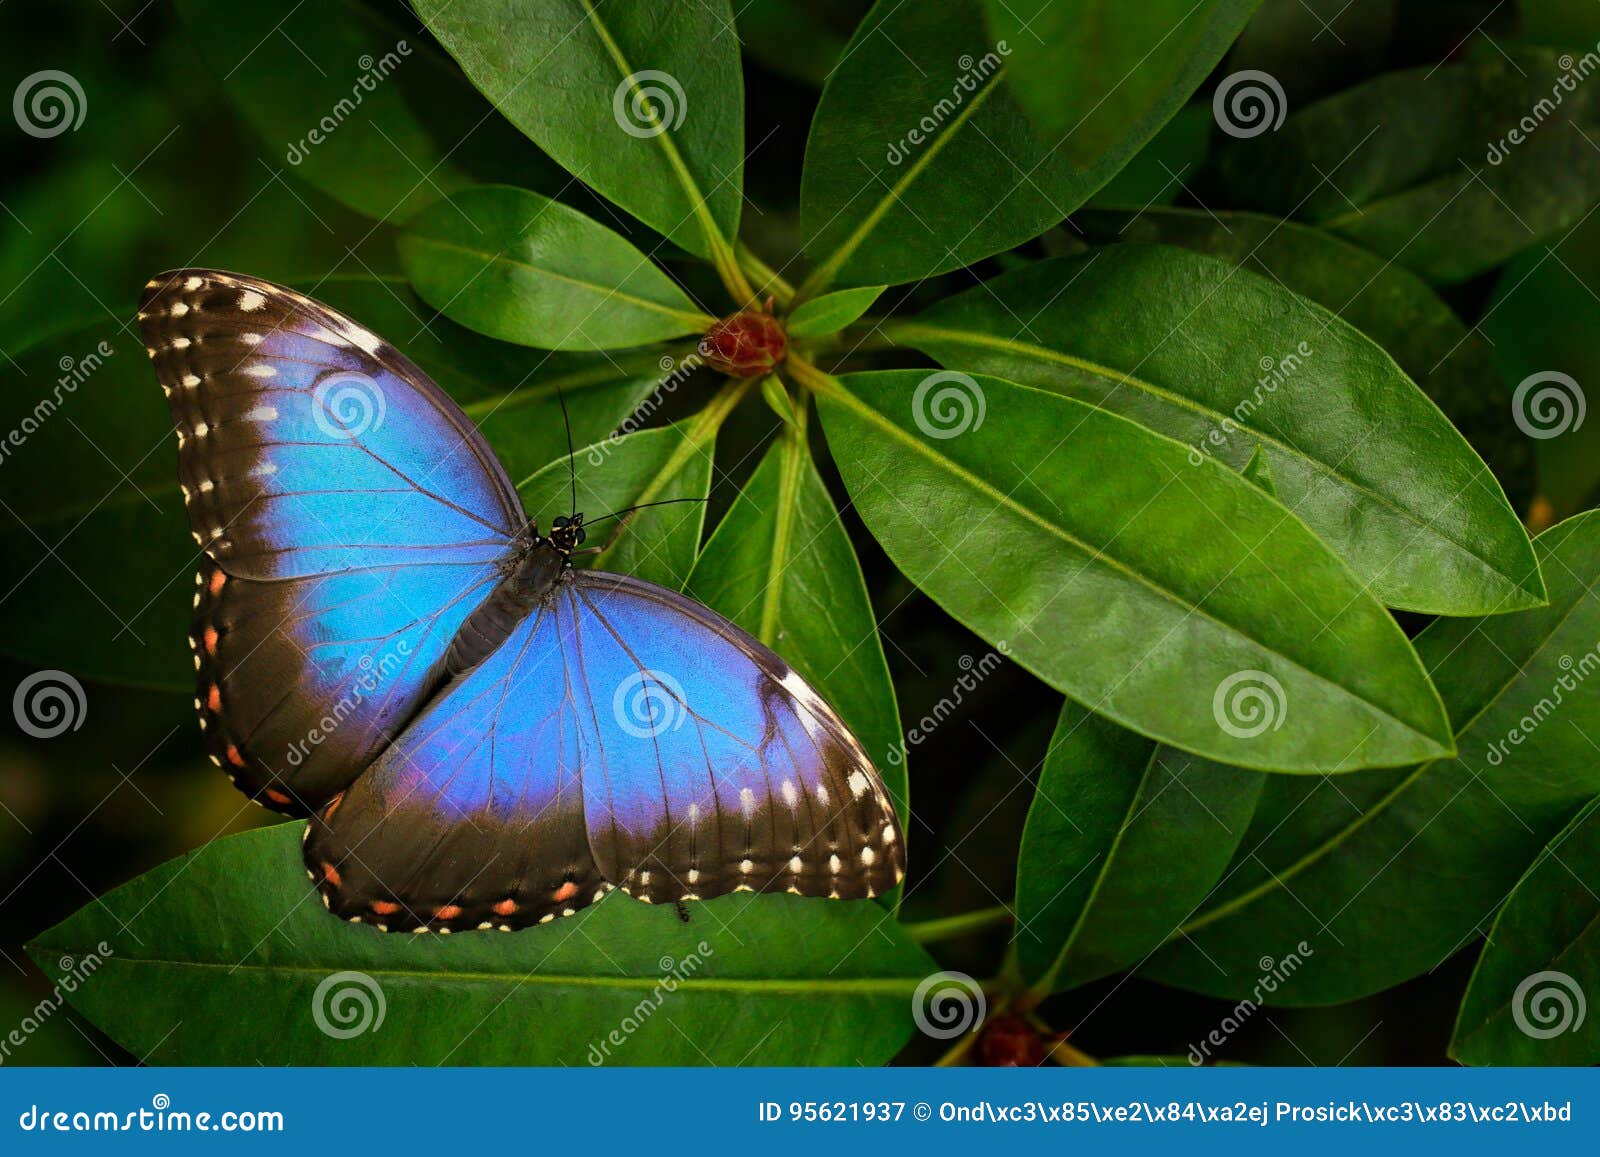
[448, 912]
[234, 757]
[217, 579]
[385, 907]
[214, 700]
[505, 907]
[276, 796]
[331, 874]
[333, 806]
[566, 892]
[211, 640]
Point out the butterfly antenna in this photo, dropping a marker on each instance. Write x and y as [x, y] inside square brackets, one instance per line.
[641, 506]
[572, 462]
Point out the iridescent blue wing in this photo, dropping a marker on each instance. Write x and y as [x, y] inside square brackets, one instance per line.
[621, 735]
[349, 517]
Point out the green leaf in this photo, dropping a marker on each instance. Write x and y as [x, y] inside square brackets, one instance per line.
[1256, 470]
[1386, 874]
[1088, 72]
[1166, 166]
[1527, 1001]
[1424, 167]
[831, 312]
[223, 957]
[640, 100]
[356, 104]
[1123, 841]
[1157, 593]
[1453, 364]
[781, 566]
[526, 269]
[666, 464]
[96, 478]
[920, 159]
[1227, 362]
[1314, 47]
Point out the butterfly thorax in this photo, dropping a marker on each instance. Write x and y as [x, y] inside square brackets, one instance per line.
[532, 572]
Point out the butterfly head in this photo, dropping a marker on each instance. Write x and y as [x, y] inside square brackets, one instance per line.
[567, 533]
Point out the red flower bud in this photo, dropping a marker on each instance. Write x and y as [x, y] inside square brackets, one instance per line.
[1010, 1042]
[746, 345]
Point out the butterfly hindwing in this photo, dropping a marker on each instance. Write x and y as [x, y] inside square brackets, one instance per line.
[349, 517]
[621, 734]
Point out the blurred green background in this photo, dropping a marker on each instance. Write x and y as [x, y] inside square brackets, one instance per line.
[164, 172]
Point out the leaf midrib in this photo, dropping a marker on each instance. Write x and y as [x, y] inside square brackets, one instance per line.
[1332, 843]
[1043, 354]
[868, 986]
[1094, 554]
[693, 320]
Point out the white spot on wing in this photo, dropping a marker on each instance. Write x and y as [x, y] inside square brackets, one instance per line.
[251, 300]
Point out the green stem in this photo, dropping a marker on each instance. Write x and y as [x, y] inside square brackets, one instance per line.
[769, 279]
[635, 363]
[789, 476]
[721, 252]
[949, 927]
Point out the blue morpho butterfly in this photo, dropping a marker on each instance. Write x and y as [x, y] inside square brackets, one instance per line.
[481, 735]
